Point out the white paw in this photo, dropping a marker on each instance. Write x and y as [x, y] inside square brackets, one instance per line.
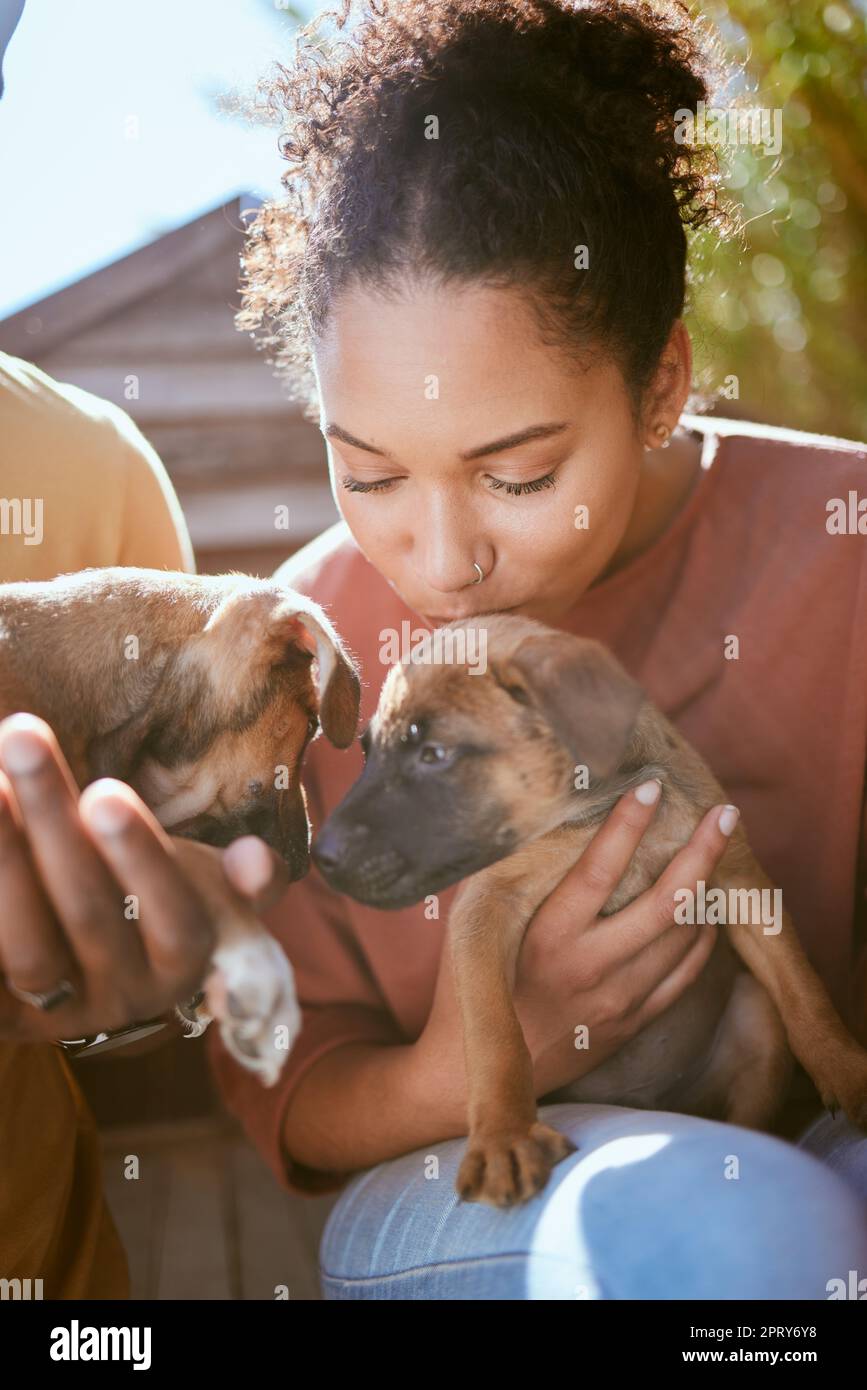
[251, 993]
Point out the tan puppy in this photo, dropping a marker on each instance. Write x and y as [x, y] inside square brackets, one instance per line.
[473, 776]
[198, 692]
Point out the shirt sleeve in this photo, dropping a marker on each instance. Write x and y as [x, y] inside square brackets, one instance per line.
[340, 1003]
[153, 531]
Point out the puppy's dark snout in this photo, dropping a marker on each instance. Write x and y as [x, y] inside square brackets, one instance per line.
[336, 844]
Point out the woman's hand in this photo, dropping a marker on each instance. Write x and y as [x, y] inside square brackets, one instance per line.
[613, 974]
[91, 893]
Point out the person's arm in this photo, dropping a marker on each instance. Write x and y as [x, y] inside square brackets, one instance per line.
[153, 532]
[362, 1104]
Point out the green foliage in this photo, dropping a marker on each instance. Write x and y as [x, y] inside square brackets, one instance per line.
[782, 307]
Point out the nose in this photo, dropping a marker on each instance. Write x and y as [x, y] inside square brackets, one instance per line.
[447, 547]
[335, 844]
[325, 852]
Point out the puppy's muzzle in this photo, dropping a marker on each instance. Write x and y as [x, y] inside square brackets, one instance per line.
[349, 862]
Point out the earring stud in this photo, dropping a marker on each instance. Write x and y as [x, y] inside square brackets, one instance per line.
[663, 434]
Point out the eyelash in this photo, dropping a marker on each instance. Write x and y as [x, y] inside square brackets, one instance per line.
[497, 484]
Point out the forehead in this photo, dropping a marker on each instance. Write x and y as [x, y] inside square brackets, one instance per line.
[480, 344]
[433, 693]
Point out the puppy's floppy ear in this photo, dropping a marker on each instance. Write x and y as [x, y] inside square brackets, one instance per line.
[338, 681]
[258, 627]
[583, 693]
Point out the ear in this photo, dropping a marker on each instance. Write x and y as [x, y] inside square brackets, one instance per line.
[255, 629]
[337, 676]
[582, 692]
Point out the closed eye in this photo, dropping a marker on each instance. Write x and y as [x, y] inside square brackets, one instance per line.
[356, 485]
[515, 489]
[495, 484]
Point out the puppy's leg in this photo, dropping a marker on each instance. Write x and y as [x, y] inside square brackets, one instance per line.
[817, 1035]
[250, 989]
[509, 1154]
[745, 1080]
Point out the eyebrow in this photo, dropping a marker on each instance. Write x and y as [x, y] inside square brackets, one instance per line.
[498, 446]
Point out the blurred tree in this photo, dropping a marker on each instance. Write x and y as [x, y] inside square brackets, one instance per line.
[782, 308]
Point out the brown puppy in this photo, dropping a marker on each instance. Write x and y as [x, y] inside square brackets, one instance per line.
[198, 692]
[472, 775]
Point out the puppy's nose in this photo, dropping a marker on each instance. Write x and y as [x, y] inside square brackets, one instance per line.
[325, 851]
[332, 846]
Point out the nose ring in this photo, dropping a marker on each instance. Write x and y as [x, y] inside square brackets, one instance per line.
[480, 572]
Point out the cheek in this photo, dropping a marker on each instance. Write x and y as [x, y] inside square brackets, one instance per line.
[376, 522]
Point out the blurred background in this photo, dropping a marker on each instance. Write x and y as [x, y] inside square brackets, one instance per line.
[125, 177]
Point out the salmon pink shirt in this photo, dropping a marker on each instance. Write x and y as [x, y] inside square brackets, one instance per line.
[758, 552]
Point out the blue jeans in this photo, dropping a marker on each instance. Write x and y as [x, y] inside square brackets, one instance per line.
[653, 1205]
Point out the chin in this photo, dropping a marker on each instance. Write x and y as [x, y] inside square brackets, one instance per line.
[409, 887]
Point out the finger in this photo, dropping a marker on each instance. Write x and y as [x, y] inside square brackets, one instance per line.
[33, 952]
[76, 881]
[176, 935]
[699, 857]
[589, 884]
[255, 871]
[635, 980]
[650, 918]
[678, 980]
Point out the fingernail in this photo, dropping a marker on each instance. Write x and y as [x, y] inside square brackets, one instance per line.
[109, 816]
[648, 792]
[728, 819]
[22, 753]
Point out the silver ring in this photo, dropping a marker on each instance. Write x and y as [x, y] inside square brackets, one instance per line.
[46, 1000]
[480, 571]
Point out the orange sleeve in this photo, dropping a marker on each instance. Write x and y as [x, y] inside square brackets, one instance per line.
[153, 531]
[339, 1004]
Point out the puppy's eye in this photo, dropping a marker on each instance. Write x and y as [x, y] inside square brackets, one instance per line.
[254, 788]
[433, 753]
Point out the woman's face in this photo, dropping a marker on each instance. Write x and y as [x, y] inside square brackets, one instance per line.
[455, 436]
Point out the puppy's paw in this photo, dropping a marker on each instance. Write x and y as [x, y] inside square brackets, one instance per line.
[504, 1170]
[251, 992]
[851, 1098]
[845, 1088]
[192, 1015]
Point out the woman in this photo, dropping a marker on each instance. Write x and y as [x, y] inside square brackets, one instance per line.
[477, 279]
[478, 276]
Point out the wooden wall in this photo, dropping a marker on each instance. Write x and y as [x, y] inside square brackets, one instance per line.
[233, 444]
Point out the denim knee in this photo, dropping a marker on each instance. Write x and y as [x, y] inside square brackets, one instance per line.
[652, 1205]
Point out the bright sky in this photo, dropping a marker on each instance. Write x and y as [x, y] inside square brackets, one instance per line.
[78, 187]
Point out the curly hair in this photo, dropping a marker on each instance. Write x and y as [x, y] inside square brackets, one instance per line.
[485, 141]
